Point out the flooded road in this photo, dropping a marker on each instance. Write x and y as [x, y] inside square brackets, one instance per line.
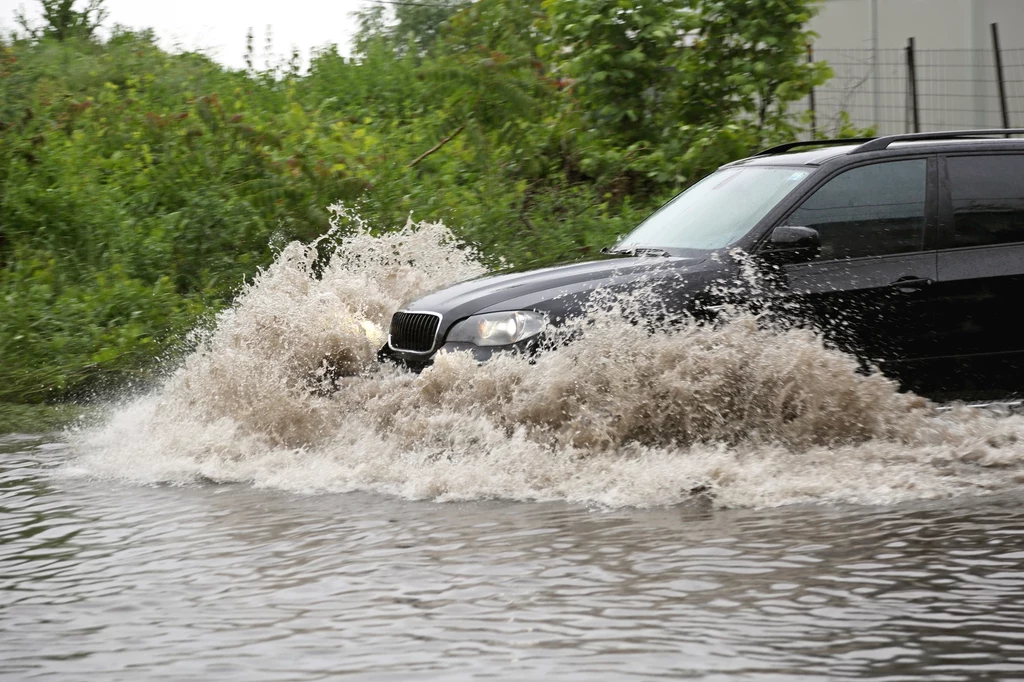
[109, 581]
[735, 501]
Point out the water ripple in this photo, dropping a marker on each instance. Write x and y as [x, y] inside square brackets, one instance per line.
[108, 582]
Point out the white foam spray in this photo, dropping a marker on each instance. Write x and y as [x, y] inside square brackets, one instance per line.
[624, 415]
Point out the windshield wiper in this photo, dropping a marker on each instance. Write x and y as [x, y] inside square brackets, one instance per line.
[636, 251]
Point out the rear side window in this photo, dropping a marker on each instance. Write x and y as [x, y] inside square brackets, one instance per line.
[869, 211]
[988, 199]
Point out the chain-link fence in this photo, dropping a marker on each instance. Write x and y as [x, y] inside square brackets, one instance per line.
[908, 90]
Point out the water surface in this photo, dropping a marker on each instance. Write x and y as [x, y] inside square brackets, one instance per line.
[108, 581]
[734, 501]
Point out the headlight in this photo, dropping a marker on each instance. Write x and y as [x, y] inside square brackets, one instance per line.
[498, 329]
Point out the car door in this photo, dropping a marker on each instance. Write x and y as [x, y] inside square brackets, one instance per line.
[981, 271]
[869, 289]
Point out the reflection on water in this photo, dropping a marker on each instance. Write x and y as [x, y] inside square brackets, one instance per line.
[112, 582]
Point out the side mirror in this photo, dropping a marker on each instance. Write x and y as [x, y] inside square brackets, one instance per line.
[791, 244]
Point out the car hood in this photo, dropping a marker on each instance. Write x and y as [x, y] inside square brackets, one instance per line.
[557, 290]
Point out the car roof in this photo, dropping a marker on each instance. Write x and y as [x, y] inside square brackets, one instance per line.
[893, 145]
[812, 157]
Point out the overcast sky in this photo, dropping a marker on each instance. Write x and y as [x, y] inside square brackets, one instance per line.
[219, 26]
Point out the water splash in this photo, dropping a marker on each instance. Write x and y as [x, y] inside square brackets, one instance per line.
[285, 392]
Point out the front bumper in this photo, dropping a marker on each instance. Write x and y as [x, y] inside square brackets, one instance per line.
[419, 361]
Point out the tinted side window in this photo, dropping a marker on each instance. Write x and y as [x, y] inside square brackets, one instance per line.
[869, 211]
[988, 199]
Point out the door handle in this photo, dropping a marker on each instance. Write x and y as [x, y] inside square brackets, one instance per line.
[910, 284]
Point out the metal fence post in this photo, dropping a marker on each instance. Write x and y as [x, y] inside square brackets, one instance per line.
[876, 95]
[912, 88]
[999, 76]
[814, 114]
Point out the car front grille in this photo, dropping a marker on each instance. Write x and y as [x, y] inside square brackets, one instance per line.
[413, 331]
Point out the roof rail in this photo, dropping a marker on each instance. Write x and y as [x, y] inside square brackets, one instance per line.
[880, 143]
[782, 148]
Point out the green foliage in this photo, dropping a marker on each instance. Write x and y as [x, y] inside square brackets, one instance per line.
[21, 418]
[621, 55]
[139, 189]
[748, 57]
[700, 81]
[407, 28]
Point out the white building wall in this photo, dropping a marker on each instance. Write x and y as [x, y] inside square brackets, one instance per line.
[865, 41]
[935, 24]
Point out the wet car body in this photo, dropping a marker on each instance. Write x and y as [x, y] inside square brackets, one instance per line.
[907, 251]
[560, 292]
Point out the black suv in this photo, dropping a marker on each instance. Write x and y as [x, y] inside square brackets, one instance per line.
[907, 250]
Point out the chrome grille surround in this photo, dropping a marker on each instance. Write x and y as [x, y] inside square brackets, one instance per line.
[414, 331]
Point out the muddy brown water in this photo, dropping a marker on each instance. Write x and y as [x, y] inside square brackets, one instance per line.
[101, 580]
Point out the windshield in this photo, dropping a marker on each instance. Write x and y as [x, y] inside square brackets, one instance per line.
[717, 211]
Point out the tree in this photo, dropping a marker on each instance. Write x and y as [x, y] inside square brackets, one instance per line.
[666, 85]
[621, 56]
[406, 27]
[638, 62]
[63, 21]
[748, 58]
